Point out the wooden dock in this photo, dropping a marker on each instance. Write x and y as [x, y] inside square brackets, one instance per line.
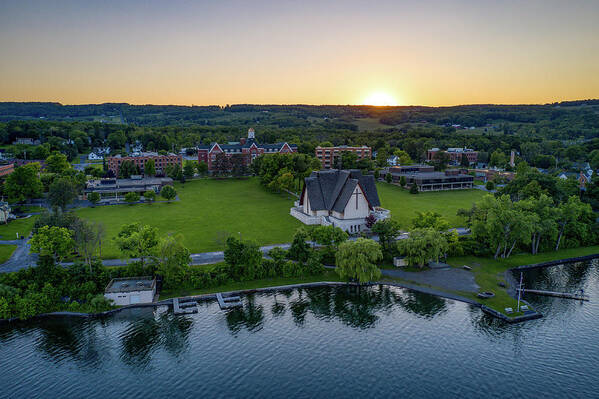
[557, 294]
[228, 302]
[184, 308]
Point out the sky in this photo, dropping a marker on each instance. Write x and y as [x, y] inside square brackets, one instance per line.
[290, 52]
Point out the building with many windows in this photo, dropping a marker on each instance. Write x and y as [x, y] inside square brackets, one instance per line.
[455, 155]
[161, 162]
[247, 149]
[329, 156]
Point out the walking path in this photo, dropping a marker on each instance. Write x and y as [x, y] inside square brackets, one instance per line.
[22, 257]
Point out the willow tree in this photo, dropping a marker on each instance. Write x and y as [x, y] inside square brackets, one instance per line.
[423, 246]
[357, 260]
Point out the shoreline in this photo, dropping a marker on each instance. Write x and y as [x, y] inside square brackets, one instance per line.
[408, 286]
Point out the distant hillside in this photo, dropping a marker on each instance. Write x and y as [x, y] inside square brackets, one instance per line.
[341, 116]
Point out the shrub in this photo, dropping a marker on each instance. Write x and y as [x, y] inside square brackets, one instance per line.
[94, 198]
[168, 193]
[131, 198]
[388, 177]
[414, 189]
[490, 185]
[149, 196]
[402, 181]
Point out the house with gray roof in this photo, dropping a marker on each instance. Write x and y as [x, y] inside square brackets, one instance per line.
[341, 198]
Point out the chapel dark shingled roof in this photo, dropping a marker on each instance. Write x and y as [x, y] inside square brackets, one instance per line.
[331, 189]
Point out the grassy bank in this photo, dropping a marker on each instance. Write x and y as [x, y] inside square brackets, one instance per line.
[207, 211]
[22, 226]
[489, 272]
[403, 205]
[6, 252]
[329, 275]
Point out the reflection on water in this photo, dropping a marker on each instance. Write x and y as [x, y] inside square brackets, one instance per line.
[343, 341]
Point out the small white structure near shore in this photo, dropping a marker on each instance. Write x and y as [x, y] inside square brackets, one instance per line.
[130, 291]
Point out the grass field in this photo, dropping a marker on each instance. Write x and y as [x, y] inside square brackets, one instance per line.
[207, 209]
[6, 252]
[22, 226]
[403, 205]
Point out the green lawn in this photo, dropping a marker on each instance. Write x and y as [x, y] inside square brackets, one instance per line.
[489, 272]
[207, 209]
[6, 252]
[403, 205]
[22, 226]
[329, 275]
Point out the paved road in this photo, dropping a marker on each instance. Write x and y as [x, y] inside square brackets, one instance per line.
[22, 258]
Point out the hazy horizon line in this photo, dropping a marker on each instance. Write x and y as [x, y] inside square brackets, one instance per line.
[294, 104]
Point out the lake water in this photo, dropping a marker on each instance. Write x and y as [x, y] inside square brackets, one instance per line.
[321, 342]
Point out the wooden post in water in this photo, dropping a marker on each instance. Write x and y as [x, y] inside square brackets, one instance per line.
[519, 291]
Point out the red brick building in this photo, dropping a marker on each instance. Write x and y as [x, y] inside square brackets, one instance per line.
[455, 155]
[328, 156]
[160, 161]
[248, 148]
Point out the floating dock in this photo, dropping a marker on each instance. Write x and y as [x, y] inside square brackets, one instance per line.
[568, 295]
[228, 302]
[184, 308]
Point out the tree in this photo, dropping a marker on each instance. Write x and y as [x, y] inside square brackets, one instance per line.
[413, 189]
[150, 168]
[387, 230]
[243, 257]
[423, 246]
[174, 171]
[370, 220]
[490, 185]
[94, 198]
[402, 181]
[498, 159]
[440, 160]
[86, 239]
[168, 193]
[62, 193]
[127, 168]
[137, 240]
[542, 214]
[357, 260]
[52, 242]
[131, 197]
[388, 177]
[349, 160]
[222, 164]
[189, 169]
[57, 163]
[571, 214]
[404, 157]
[202, 168]
[430, 219]
[173, 260]
[24, 183]
[238, 164]
[498, 223]
[464, 161]
[330, 237]
[149, 196]
[300, 249]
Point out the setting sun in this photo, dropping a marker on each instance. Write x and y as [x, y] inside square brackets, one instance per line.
[380, 98]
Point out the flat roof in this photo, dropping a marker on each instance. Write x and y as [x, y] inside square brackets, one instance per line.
[437, 175]
[130, 284]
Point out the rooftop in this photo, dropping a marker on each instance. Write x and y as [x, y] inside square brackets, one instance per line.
[146, 283]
